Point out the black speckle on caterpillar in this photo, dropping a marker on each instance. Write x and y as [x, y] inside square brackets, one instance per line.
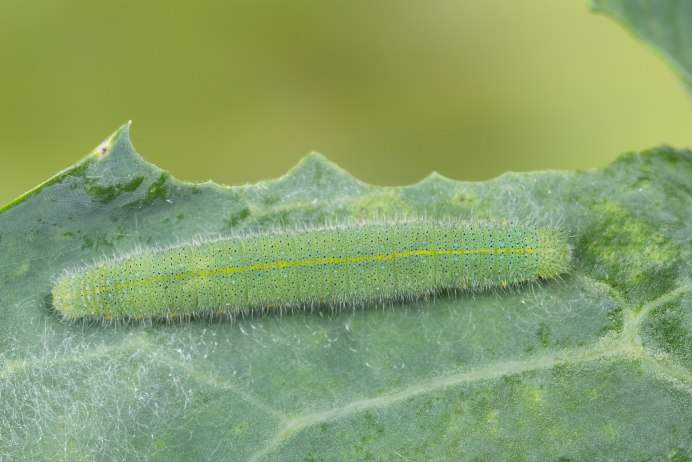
[328, 265]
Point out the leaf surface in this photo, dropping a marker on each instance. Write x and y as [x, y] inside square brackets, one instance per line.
[666, 25]
[594, 366]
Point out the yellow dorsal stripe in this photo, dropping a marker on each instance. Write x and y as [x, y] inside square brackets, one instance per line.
[310, 262]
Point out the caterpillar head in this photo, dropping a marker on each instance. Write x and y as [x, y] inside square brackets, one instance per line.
[554, 253]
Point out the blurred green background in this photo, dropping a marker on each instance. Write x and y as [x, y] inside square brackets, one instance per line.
[238, 91]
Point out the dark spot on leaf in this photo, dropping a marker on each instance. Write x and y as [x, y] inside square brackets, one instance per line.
[237, 217]
[87, 242]
[158, 190]
[270, 199]
[106, 194]
[543, 334]
[463, 198]
[79, 171]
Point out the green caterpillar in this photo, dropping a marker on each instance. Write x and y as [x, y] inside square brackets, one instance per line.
[329, 265]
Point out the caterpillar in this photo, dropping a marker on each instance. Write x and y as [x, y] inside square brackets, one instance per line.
[326, 265]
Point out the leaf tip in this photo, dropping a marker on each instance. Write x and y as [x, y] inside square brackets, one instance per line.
[313, 159]
[121, 134]
[316, 155]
